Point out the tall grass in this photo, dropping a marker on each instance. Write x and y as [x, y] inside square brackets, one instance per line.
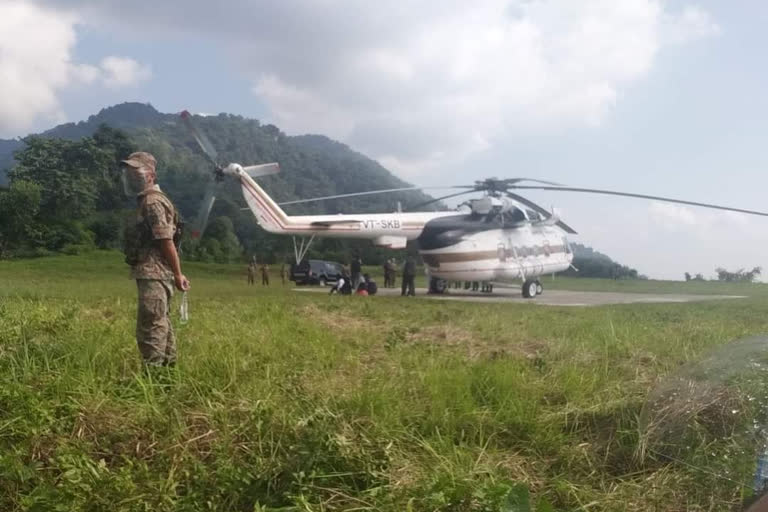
[285, 401]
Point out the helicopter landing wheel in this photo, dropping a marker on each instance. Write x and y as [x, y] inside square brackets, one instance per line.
[437, 286]
[530, 289]
[539, 288]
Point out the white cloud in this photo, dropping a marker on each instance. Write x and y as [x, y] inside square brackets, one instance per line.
[425, 82]
[85, 73]
[36, 45]
[421, 83]
[113, 72]
[454, 79]
[123, 72]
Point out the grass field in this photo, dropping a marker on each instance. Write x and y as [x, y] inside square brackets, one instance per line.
[305, 402]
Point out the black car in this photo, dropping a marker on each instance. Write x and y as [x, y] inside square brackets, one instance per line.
[316, 272]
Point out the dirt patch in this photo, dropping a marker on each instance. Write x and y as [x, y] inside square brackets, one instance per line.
[113, 432]
[478, 347]
[336, 320]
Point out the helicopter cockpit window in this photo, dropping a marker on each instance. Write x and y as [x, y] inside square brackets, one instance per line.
[533, 216]
[514, 215]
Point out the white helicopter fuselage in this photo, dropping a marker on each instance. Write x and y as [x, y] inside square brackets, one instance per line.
[455, 246]
[502, 255]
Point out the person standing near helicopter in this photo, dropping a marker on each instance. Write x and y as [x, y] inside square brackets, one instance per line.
[151, 249]
[356, 268]
[252, 271]
[409, 274]
[264, 274]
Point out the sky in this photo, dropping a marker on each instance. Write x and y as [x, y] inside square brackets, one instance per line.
[656, 97]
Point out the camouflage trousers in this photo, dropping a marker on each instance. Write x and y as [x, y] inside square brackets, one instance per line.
[154, 333]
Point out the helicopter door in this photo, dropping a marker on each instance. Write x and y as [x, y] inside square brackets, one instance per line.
[501, 249]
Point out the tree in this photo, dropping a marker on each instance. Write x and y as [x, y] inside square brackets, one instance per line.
[107, 229]
[219, 242]
[119, 145]
[687, 276]
[66, 172]
[19, 206]
[740, 275]
[115, 141]
[592, 263]
[80, 196]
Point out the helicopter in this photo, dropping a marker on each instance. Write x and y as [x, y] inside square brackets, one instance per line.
[501, 237]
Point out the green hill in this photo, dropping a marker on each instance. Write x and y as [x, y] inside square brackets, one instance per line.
[311, 166]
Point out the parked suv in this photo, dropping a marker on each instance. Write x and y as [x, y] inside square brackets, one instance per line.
[316, 272]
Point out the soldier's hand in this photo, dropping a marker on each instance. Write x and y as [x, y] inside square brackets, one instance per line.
[181, 282]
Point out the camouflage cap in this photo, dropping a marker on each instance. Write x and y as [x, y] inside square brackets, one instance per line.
[141, 159]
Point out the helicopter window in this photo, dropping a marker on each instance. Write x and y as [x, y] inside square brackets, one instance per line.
[514, 215]
[533, 216]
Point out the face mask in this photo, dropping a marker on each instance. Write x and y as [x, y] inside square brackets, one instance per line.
[134, 181]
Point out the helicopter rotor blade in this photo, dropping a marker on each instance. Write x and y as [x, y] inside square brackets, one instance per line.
[640, 196]
[356, 194]
[205, 210]
[201, 139]
[421, 205]
[512, 181]
[527, 202]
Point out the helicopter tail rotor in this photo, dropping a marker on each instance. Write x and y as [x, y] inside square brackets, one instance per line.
[219, 170]
[256, 171]
[201, 220]
[201, 139]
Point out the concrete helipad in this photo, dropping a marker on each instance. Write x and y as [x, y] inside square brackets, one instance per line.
[549, 297]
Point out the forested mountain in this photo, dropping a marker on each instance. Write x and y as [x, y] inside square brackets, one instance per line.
[311, 166]
[126, 116]
[65, 193]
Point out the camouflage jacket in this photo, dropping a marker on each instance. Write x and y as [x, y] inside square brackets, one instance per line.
[156, 219]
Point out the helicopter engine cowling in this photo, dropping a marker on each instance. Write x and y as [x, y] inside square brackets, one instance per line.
[491, 204]
[390, 242]
[485, 205]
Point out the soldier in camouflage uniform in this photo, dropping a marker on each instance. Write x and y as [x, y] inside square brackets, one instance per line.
[152, 251]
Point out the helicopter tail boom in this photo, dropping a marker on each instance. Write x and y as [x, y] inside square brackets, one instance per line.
[269, 215]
